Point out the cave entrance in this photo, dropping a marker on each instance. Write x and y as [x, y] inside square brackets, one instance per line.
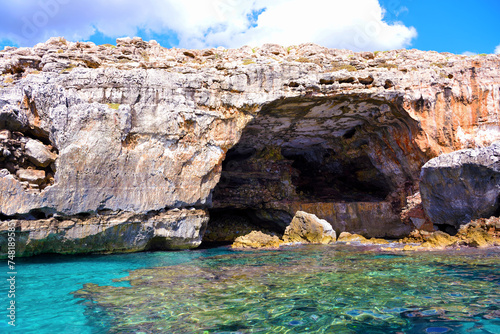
[322, 175]
[227, 224]
[349, 160]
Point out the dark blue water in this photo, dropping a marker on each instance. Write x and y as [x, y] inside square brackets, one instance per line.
[314, 289]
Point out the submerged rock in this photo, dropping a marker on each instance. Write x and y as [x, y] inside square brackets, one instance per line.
[308, 228]
[257, 239]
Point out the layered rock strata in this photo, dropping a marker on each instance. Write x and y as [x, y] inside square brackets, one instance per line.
[110, 233]
[136, 128]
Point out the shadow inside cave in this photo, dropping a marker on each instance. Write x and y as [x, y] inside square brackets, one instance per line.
[351, 160]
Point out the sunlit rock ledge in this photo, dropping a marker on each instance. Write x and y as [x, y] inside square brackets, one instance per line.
[261, 133]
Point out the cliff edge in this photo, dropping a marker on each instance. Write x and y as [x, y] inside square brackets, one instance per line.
[134, 135]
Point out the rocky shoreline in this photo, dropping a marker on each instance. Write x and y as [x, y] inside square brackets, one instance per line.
[130, 147]
[480, 233]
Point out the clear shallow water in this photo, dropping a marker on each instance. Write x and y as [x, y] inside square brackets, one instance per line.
[44, 285]
[314, 289]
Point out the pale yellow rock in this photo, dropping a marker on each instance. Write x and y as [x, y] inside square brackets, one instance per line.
[439, 240]
[407, 248]
[308, 228]
[378, 241]
[348, 237]
[255, 240]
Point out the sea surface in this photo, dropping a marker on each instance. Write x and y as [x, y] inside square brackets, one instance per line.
[306, 289]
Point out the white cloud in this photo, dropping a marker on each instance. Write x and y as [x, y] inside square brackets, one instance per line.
[353, 24]
[497, 50]
[469, 53]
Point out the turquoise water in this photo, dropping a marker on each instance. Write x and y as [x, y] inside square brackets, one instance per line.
[44, 285]
[310, 289]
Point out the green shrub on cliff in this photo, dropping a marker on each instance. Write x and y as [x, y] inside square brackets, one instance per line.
[114, 106]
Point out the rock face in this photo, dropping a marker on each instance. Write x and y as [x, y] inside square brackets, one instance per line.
[461, 186]
[307, 228]
[137, 128]
[483, 232]
[122, 232]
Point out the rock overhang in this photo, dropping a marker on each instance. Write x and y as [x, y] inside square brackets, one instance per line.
[157, 123]
[346, 149]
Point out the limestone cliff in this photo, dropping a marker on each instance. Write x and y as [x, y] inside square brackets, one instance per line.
[140, 129]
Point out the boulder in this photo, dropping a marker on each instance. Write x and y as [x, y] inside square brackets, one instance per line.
[38, 153]
[461, 186]
[348, 237]
[5, 134]
[307, 228]
[31, 175]
[256, 239]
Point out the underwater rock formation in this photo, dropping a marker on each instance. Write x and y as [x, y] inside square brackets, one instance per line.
[462, 185]
[141, 129]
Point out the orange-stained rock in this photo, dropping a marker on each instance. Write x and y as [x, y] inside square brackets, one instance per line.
[414, 213]
[154, 132]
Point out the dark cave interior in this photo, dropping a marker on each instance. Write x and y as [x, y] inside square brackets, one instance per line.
[318, 151]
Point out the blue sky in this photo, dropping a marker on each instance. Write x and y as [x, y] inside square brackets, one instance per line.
[456, 26]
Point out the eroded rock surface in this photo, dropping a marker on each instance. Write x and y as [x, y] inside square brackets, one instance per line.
[110, 233]
[461, 186]
[137, 128]
[257, 240]
[478, 233]
[307, 228]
